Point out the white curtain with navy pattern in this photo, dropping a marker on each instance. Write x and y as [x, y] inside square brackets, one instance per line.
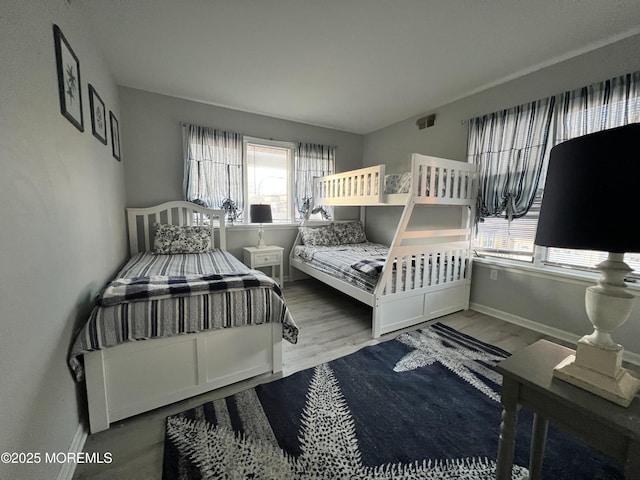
[510, 146]
[312, 160]
[599, 106]
[212, 166]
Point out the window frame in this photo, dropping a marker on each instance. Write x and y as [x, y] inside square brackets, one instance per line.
[291, 147]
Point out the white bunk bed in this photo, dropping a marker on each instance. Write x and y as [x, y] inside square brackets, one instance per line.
[138, 376]
[438, 279]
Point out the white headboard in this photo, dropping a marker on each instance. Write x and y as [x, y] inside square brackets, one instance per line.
[140, 222]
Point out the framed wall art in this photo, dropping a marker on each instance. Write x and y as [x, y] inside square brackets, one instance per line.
[69, 87]
[98, 115]
[115, 136]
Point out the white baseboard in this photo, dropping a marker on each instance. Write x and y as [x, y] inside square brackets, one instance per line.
[77, 445]
[563, 335]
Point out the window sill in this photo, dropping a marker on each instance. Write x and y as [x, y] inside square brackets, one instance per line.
[551, 273]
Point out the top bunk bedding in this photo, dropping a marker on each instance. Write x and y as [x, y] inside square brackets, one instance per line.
[157, 296]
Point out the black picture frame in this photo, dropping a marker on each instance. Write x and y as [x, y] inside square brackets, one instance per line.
[115, 136]
[69, 84]
[98, 115]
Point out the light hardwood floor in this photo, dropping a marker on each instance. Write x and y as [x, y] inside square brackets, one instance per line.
[331, 325]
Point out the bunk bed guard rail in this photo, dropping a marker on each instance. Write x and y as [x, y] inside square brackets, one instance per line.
[434, 181]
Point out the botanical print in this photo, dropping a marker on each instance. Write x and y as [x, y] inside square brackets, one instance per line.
[98, 121]
[69, 86]
[115, 136]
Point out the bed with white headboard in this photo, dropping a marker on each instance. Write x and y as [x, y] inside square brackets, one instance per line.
[207, 321]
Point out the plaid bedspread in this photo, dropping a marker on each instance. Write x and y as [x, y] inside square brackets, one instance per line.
[370, 266]
[157, 296]
[338, 261]
[361, 264]
[124, 290]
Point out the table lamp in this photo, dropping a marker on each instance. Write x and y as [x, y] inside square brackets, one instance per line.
[260, 213]
[588, 181]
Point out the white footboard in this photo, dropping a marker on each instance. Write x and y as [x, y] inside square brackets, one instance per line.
[420, 283]
[136, 377]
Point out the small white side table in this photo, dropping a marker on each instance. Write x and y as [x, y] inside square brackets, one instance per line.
[269, 256]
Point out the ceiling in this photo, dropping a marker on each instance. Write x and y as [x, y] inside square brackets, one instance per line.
[352, 65]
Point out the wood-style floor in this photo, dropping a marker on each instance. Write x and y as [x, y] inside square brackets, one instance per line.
[331, 325]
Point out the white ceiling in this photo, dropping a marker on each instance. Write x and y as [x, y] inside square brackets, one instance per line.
[353, 65]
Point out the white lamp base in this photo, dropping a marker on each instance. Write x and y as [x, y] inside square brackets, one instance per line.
[598, 370]
[261, 243]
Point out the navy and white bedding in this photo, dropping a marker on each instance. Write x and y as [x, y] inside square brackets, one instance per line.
[337, 260]
[401, 183]
[397, 182]
[361, 264]
[157, 296]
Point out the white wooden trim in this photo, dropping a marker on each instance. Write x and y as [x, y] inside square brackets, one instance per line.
[553, 332]
[77, 445]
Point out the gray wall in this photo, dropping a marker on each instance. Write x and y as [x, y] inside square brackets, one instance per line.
[549, 302]
[152, 140]
[63, 231]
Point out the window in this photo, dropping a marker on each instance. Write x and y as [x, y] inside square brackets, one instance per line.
[511, 148]
[228, 171]
[268, 167]
[600, 106]
[513, 240]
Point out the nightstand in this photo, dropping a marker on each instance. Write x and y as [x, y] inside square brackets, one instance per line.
[269, 256]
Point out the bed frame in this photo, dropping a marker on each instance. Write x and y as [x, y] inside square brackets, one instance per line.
[435, 181]
[136, 377]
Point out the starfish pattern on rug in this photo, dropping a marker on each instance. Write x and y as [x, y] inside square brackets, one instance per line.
[430, 348]
[328, 443]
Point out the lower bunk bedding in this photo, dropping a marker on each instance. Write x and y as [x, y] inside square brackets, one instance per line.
[360, 264]
[207, 321]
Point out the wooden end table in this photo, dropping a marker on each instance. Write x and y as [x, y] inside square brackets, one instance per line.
[528, 382]
[269, 256]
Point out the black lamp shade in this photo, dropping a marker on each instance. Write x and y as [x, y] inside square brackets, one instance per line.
[260, 213]
[590, 191]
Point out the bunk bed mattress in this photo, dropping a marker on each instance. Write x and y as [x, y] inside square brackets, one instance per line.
[337, 260]
[360, 264]
[158, 296]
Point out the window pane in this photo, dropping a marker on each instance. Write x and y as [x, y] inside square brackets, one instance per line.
[268, 178]
[497, 237]
[604, 112]
[587, 259]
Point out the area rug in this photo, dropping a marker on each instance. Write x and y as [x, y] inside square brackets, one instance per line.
[423, 406]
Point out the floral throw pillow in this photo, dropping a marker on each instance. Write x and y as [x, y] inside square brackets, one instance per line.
[350, 232]
[319, 236]
[170, 239]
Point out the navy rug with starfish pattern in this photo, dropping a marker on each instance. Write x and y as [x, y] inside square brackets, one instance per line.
[423, 406]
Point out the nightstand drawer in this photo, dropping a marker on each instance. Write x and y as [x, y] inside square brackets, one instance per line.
[265, 259]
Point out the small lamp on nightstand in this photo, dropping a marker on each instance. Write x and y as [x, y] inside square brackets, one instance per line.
[260, 213]
[589, 179]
